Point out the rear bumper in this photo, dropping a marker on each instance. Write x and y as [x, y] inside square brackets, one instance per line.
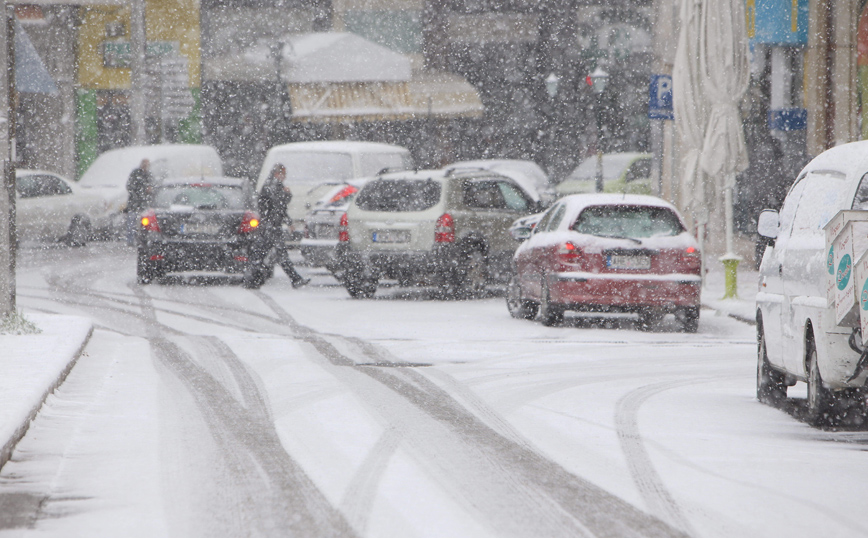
[439, 262]
[198, 256]
[625, 292]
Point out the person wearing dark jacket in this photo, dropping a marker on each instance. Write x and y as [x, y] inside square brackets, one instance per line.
[140, 187]
[273, 199]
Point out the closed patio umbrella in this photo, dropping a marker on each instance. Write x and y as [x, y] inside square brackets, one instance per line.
[725, 73]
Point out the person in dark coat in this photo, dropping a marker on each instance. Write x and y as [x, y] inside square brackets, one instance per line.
[273, 199]
[140, 188]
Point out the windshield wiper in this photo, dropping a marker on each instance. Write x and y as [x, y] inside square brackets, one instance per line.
[633, 239]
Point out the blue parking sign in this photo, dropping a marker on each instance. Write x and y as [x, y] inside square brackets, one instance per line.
[660, 98]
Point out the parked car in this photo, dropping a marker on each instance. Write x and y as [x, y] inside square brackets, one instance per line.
[798, 336]
[107, 176]
[431, 227]
[199, 224]
[608, 253]
[49, 207]
[622, 172]
[322, 224]
[309, 164]
[527, 174]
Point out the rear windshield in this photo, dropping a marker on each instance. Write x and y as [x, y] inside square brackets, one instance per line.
[628, 221]
[313, 167]
[201, 197]
[399, 195]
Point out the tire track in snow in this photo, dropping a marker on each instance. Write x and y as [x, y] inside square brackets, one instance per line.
[660, 502]
[517, 491]
[251, 446]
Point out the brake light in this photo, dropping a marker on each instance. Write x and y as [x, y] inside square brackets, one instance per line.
[343, 231]
[569, 252]
[444, 229]
[691, 252]
[149, 221]
[343, 193]
[249, 222]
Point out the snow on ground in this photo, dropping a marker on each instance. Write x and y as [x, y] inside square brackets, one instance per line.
[663, 420]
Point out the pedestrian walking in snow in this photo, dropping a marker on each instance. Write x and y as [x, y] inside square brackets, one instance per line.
[273, 199]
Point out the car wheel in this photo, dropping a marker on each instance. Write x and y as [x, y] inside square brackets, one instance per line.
[360, 287]
[550, 314]
[78, 233]
[475, 273]
[518, 306]
[770, 384]
[689, 318]
[820, 399]
[254, 278]
[649, 318]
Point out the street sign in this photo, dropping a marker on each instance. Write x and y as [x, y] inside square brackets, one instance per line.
[660, 98]
[167, 85]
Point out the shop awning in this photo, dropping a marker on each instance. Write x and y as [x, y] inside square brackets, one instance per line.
[426, 95]
[342, 77]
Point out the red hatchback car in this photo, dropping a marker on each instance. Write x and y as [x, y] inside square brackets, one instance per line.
[608, 253]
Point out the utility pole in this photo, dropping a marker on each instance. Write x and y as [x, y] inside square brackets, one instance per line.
[7, 167]
[137, 71]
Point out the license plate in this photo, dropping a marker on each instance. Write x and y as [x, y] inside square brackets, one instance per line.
[391, 236]
[629, 262]
[324, 231]
[199, 228]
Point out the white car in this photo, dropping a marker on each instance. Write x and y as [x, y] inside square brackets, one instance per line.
[49, 207]
[798, 332]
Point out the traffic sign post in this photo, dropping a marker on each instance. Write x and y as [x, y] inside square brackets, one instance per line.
[660, 98]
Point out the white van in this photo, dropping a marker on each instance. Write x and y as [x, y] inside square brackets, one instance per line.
[107, 176]
[309, 164]
[798, 335]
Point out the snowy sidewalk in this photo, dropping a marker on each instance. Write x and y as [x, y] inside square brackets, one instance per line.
[743, 307]
[33, 365]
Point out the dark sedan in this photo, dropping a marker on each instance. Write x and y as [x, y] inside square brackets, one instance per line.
[198, 224]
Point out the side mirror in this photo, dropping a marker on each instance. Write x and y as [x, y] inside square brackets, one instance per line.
[768, 223]
[521, 233]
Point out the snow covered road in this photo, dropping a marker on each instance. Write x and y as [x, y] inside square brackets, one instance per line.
[210, 410]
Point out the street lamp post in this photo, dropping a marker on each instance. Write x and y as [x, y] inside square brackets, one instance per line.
[551, 118]
[597, 80]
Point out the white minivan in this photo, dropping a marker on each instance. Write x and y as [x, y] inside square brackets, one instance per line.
[309, 164]
[107, 176]
[798, 338]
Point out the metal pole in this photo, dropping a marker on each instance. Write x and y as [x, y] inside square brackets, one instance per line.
[598, 176]
[7, 194]
[137, 71]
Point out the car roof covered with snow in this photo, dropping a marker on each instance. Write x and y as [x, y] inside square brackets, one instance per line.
[847, 159]
[338, 146]
[112, 168]
[576, 203]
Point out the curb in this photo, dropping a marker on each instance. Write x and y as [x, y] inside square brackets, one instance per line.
[9, 446]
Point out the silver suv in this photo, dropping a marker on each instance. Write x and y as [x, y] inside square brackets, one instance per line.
[447, 228]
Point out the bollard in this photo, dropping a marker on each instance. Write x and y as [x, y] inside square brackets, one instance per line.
[730, 272]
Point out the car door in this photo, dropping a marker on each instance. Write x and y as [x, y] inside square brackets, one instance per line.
[802, 263]
[45, 206]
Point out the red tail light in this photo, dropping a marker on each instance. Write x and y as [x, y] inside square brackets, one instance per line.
[444, 229]
[570, 253]
[691, 261]
[249, 222]
[343, 231]
[148, 219]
